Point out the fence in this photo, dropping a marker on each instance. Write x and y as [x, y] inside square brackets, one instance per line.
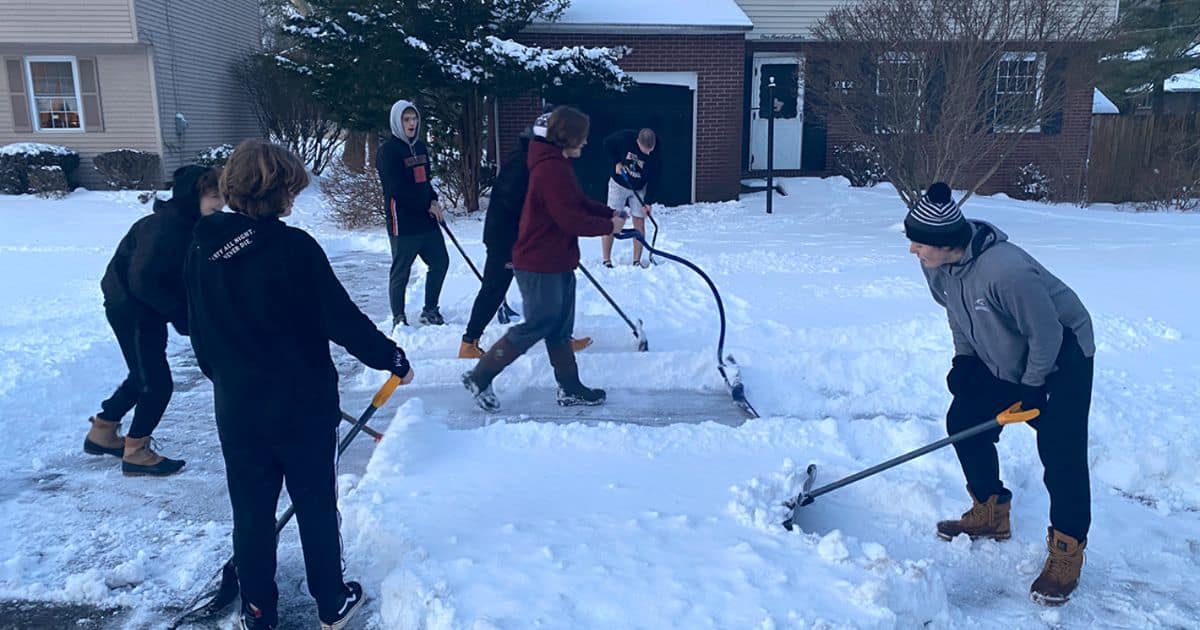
[1145, 159]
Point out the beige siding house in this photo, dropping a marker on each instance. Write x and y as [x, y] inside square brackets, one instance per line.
[99, 75]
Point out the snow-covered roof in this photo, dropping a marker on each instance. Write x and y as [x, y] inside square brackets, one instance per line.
[1183, 82]
[650, 14]
[1101, 104]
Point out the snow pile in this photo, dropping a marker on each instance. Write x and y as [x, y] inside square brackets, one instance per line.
[34, 148]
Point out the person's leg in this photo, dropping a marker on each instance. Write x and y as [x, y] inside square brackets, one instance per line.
[150, 341]
[254, 477]
[1062, 435]
[977, 455]
[541, 297]
[124, 324]
[562, 355]
[433, 253]
[310, 472]
[404, 252]
[617, 196]
[639, 224]
[497, 277]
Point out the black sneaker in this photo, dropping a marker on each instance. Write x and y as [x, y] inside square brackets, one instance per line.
[581, 397]
[354, 601]
[400, 320]
[432, 317]
[608, 263]
[253, 619]
[485, 398]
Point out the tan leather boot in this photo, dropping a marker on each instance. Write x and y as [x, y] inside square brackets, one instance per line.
[580, 343]
[1060, 574]
[140, 459]
[987, 519]
[470, 350]
[104, 438]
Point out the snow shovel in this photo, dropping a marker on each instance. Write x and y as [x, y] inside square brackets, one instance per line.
[1013, 415]
[505, 314]
[215, 600]
[638, 333]
[653, 239]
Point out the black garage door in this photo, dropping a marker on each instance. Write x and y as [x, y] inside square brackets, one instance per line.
[667, 109]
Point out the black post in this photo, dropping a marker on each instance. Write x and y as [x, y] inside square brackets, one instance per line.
[770, 143]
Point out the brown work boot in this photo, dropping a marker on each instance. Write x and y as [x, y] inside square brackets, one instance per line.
[988, 519]
[470, 350]
[580, 343]
[1060, 574]
[104, 438]
[140, 459]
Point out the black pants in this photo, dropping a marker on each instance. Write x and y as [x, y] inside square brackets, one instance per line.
[431, 248]
[549, 309]
[255, 473]
[1062, 434]
[497, 277]
[148, 386]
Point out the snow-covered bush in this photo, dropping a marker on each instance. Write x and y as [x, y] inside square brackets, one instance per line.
[129, 169]
[48, 181]
[1033, 184]
[18, 160]
[858, 163]
[355, 198]
[214, 156]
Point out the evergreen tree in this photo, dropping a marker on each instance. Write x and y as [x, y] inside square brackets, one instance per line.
[1156, 39]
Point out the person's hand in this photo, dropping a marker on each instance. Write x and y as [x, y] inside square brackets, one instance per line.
[646, 209]
[620, 168]
[435, 211]
[962, 377]
[618, 224]
[400, 367]
[1033, 397]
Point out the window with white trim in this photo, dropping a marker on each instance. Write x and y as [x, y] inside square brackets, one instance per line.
[54, 93]
[1018, 92]
[899, 84]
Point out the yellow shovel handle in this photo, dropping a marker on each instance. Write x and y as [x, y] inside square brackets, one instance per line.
[1015, 414]
[385, 392]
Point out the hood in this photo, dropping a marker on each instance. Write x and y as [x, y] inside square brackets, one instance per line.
[230, 235]
[178, 209]
[397, 127]
[984, 236]
[185, 202]
[542, 151]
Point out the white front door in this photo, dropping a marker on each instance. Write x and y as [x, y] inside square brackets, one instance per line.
[788, 71]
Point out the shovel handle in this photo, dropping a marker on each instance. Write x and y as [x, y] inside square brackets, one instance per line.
[1014, 414]
[381, 397]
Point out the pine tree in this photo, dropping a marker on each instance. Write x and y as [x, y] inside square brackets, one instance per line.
[1156, 39]
[452, 57]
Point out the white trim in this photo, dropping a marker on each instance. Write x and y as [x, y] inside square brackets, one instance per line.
[1040, 57]
[690, 80]
[152, 68]
[33, 109]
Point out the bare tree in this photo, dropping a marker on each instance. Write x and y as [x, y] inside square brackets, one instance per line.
[944, 90]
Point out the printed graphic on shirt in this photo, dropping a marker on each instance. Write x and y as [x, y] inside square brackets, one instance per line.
[633, 165]
[418, 165]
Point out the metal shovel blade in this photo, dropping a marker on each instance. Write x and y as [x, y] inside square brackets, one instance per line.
[803, 499]
[643, 344]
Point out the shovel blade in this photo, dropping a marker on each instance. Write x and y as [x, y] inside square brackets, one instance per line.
[802, 499]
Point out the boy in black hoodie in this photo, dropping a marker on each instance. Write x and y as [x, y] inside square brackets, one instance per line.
[412, 213]
[143, 290]
[264, 304]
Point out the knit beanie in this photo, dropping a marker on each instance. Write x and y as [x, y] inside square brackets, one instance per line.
[936, 220]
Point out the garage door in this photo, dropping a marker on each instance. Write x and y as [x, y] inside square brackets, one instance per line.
[667, 109]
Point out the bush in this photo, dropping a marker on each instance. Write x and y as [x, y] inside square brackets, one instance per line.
[355, 199]
[1033, 184]
[858, 163]
[17, 162]
[129, 169]
[214, 156]
[48, 181]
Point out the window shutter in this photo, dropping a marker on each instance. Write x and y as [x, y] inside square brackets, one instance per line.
[18, 96]
[89, 93]
[1056, 95]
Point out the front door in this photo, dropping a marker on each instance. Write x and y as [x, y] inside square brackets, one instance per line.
[788, 71]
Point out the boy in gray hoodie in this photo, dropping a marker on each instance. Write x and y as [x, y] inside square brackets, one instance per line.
[1020, 335]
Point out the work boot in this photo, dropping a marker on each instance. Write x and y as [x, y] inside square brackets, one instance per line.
[103, 438]
[580, 343]
[479, 380]
[571, 392]
[399, 320]
[140, 459]
[1060, 574]
[432, 317]
[988, 519]
[470, 349]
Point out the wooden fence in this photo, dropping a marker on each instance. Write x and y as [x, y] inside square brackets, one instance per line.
[1143, 158]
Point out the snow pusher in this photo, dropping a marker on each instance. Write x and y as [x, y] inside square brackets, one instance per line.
[807, 495]
[638, 333]
[726, 365]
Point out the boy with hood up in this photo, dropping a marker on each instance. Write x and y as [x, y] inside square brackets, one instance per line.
[143, 291]
[1020, 334]
[412, 212]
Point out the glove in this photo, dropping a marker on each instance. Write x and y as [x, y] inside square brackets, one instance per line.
[964, 374]
[1033, 397]
[400, 366]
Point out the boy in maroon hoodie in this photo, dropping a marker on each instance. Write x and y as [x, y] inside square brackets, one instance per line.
[555, 215]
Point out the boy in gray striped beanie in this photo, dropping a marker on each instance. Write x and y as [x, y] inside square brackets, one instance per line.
[936, 220]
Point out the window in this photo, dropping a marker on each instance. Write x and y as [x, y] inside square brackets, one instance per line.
[899, 87]
[1019, 92]
[787, 90]
[54, 93]
[900, 71]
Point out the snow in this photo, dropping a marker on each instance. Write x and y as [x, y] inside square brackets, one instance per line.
[637, 517]
[661, 13]
[1101, 104]
[33, 148]
[1183, 82]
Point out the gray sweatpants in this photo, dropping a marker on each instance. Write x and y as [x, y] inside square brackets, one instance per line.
[405, 249]
[548, 308]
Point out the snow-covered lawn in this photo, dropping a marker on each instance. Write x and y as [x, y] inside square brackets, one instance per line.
[661, 509]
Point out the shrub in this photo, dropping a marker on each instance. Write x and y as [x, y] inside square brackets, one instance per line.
[214, 156]
[858, 163]
[48, 181]
[1033, 184]
[18, 160]
[355, 199]
[129, 169]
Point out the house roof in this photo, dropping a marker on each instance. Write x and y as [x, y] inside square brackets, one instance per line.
[646, 15]
[1101, 103]
[1183, 82]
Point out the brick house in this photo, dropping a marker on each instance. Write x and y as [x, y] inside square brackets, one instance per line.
[723, 51]
[152, 75]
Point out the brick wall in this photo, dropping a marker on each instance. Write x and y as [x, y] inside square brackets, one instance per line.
[718, 61]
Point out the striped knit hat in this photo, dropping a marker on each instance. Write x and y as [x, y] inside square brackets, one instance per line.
[936, 220]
